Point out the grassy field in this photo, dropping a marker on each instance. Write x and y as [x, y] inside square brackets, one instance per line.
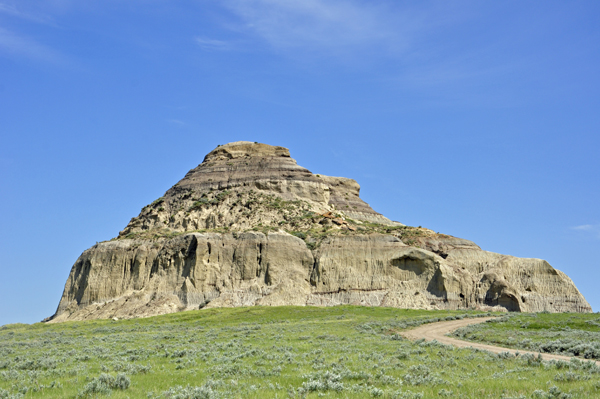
[277, 352]
[570, 334]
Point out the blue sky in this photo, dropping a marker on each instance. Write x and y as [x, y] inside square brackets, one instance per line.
[475, 119]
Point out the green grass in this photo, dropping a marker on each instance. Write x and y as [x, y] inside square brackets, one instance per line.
[271, 352]
[571, 334]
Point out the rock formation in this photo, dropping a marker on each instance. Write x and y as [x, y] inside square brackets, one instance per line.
[248, 226]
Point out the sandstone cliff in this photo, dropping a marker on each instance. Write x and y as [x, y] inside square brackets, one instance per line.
[248, 226]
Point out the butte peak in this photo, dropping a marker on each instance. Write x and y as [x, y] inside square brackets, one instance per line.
[245, 149]
[249, 226]
[244, 185]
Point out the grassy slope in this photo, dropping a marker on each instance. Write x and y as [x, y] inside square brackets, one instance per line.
[279, 352]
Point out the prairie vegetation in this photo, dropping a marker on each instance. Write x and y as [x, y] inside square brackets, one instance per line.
[237, 212]
[273, 352]
[570, 334]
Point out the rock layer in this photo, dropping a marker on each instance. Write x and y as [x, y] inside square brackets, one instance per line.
[249, 226]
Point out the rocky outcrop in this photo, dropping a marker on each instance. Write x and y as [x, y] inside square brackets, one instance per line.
[249, 226]
[242, 185]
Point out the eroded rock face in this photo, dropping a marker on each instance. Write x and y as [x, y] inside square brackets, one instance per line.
[249, 226]
[242, 185]
[129, 278]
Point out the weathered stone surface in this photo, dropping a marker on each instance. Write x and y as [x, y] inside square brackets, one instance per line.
[221, 237]
[126, 277]
[234, 187]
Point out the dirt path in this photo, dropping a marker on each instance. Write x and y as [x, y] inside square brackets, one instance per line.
[439, 330]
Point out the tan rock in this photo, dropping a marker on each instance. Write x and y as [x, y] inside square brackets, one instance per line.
[219, 238]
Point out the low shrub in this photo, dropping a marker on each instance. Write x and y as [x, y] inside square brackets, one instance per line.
[104, 384]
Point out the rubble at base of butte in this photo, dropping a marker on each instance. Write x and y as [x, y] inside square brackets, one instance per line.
[248, 226]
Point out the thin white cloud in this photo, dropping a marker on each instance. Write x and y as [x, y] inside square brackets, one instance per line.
[320, 24]
[12, 44]
[593, 229]
[360, 33]
[177, 122]
[9, 9]
[14, 11]
[212, 44]
[585, 227]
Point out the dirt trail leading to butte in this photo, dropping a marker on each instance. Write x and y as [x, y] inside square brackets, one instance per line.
[439, 330]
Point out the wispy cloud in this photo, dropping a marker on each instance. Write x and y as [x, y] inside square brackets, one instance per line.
[593, 229]
[403, 38]
[212, 44]
[13, 44]
[9, 9]
[177, 122]
[14, 11]
[317, 24]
